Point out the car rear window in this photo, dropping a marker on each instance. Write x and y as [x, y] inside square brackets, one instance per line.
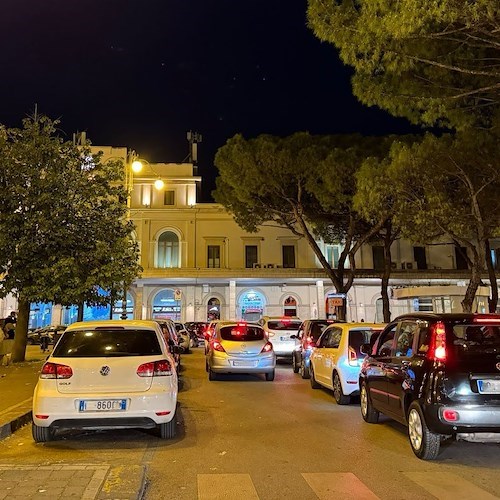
[241, 333]
[284, 325]
[359, 337]
[477, 337]
[105, 343]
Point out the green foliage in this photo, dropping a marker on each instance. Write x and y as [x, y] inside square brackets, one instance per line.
[433, 62]
[62, 219]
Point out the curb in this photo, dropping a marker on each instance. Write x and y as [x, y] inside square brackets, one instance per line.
[8, 428]
[124, 483]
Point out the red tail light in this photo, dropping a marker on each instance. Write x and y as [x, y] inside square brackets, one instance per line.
[437, 348]
[217, 346]
[450, 415]
[268, 347]
[55, 370]
[160, 368]
[353, 358]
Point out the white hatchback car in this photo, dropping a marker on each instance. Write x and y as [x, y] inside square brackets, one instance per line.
[107, 375]
[336, 360]
[282, 332]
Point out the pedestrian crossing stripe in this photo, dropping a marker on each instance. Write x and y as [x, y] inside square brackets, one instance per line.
[341, 485]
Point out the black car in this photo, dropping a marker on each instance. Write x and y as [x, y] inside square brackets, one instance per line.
[309, 333]
[438, 374]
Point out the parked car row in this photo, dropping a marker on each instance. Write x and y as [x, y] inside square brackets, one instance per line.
[437, 374]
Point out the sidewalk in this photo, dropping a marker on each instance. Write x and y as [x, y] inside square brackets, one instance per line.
[54, 481]
[17, 383]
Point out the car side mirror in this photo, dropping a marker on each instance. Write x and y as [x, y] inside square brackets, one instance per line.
[366, 349]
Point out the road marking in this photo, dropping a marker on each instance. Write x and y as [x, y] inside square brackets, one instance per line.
[10, 408]
[448, 486]
[343, 485]
[226, 486]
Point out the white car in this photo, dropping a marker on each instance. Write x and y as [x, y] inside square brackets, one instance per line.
[336, 360]
[282, 332]
[107, 375]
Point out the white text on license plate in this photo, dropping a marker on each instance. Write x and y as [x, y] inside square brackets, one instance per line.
[489, 386]
[103, 405]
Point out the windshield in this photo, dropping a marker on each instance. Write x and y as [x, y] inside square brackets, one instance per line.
[108, 342]
[240, 333]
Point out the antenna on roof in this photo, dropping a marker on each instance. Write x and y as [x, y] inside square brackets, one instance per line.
[194, 138]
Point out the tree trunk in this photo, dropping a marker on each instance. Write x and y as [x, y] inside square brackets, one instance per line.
[493, 299]
[472, 287]
[79, 316]
[21, 337]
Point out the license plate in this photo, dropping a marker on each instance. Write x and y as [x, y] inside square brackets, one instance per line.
[489, 386]
[285, 339]
[103, 405]
[243, 363]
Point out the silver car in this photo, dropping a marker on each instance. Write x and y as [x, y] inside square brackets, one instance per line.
[240, 347]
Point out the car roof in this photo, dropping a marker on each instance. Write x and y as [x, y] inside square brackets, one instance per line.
[430, 316]
[113, 323]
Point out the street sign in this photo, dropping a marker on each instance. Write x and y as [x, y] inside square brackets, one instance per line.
[177, 294]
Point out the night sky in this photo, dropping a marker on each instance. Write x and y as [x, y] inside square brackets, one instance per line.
[141, 73]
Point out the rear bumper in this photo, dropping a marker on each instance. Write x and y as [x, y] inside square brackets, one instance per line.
[52, 409]
[470, 419]
[222, 363]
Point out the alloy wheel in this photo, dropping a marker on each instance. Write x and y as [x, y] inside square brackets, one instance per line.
[415, 430]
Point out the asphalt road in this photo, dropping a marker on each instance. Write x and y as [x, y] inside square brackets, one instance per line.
[243, 438]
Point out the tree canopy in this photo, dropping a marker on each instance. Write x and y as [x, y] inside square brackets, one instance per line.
[432, 62]
[448, 186]
[303, 182]
[65, 236]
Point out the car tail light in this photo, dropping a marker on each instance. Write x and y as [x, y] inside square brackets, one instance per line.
[270, 334]
[437, 349]
[55, 370]
[160, 368]
[352, 357]
[268, 347]
[217, 346]
[450, 415]
[242, 324]
[486, 318]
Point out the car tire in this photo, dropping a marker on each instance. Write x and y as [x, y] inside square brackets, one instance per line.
[338, 394]
[314, 384]
[167, 430]
[424, 443]
[295, 366]
[206, 366]
[368, 413]
[270, 376]
[304, 369]
[41, 434]
[211, 374]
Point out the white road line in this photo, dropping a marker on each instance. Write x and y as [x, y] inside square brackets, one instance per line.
[448, 486]
[226, 486]
[343, 485]
[10, 408]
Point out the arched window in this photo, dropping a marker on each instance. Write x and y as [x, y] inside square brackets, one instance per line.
[213, 309]
[165, 305]
[290, 307]
[251, 304]
[168, 250]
